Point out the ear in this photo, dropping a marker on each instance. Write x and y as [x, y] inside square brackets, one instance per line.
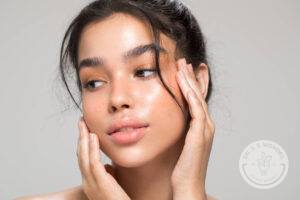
[202, 75]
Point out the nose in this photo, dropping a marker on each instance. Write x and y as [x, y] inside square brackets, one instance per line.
[120, 96]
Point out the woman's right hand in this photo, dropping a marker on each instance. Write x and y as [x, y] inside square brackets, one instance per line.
[98, 181]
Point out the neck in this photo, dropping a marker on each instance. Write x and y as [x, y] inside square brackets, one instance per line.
[153, 179]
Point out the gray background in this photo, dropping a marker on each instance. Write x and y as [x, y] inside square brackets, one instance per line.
[254, 51]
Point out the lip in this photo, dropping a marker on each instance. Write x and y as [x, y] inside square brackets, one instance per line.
[126, 123]
[129, 136]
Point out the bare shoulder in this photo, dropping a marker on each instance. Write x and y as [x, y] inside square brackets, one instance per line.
[74, 193]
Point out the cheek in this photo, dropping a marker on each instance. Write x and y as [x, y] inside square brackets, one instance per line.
[168, 118]
[93, 113]
[167, 122]
[160, 106]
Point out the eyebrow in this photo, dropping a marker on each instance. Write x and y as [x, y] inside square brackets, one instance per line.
[135, 52]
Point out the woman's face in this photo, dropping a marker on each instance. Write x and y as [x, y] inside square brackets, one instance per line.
[120, 91]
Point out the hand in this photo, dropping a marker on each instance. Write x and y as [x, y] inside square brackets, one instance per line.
[98, 181]
[188, 176]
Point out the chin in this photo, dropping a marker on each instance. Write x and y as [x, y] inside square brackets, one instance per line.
[130, 157]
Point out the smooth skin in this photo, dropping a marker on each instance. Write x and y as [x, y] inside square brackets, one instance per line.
[175, 167]
[187, 182]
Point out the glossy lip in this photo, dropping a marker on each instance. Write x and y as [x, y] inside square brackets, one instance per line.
[126, 123]
[128, 137]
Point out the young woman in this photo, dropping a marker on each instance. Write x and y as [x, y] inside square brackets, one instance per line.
[144, 83]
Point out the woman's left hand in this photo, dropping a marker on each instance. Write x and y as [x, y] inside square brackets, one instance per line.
[188, 176]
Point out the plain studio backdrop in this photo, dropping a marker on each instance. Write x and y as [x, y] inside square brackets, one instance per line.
[253, 48]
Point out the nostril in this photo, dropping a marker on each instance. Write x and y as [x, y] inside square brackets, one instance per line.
[114, 108]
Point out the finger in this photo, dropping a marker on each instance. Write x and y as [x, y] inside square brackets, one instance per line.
[198, 120]
[191, 78]
[203, 116]
[195, 94]
[96, 167]
[194, 83]
[198, 124]
[183, 84]
[83, 152]
[198, 111]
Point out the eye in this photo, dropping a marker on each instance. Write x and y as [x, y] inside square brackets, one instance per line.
[91, 82]
[90, 85]
[152, 71]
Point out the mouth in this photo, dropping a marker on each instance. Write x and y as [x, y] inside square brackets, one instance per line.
[126, 125]
[128, 135]
[127, 130]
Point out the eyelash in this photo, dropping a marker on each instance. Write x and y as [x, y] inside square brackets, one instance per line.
[86, 85]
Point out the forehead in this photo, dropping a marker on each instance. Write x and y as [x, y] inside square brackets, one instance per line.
[113, 36]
